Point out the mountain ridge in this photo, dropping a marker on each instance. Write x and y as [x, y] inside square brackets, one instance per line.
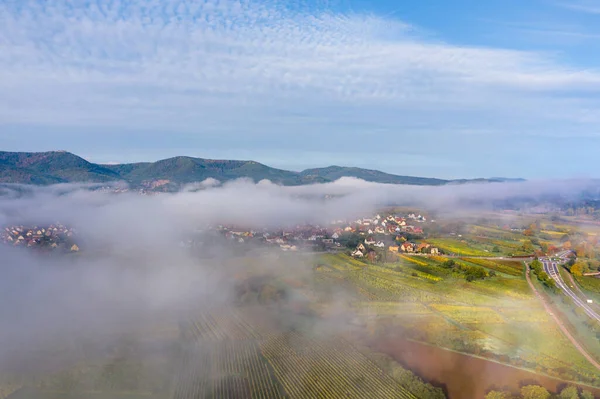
[51, 167]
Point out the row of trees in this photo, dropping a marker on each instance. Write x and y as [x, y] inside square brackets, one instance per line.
[471, 273]
[538, 269]
[538, 392]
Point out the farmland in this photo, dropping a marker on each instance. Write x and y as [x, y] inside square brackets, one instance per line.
[497, 319]
[332, 325]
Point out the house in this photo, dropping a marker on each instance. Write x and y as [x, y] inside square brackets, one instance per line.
[434, 251]
[407, 247]
[335, 236]
[423, 246]
[379, 230]
[74, 248]
[369, 241]
[357, 254]
[379, 244]
[393, 248]
[361, 247]
[327, 240]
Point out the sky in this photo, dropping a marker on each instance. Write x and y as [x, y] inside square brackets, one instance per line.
[438, 88]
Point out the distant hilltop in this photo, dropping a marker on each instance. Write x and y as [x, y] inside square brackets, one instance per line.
[43, 168]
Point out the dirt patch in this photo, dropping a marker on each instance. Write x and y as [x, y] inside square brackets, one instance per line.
[462, 376]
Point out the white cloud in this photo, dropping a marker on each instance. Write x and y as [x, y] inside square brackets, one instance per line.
[587, 6]
[228, 65]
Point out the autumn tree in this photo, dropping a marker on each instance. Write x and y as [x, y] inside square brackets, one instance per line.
[527, 246]
[534, 392]
[497, 395]
[569, 393]
[579, 268]
[587, 395]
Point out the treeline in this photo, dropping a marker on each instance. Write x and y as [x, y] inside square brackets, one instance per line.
[471, 273]
[538, 392]
[538, 269]
[404, 377]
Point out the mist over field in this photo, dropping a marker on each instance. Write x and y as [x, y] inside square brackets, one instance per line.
[132, 272]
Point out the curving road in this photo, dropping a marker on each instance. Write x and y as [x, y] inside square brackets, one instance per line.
[551, 268]
[560, 324]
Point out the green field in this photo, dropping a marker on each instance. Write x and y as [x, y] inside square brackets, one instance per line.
[498, 318]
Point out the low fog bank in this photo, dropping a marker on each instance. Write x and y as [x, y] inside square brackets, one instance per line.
[132, 269]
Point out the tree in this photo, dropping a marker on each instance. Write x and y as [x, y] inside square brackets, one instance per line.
[497, 395]
[586, 395]
[579, 268]
[550, 284]
[569, 393]
[534, 392]
[527, 246]
[536, 266]
[496, 249]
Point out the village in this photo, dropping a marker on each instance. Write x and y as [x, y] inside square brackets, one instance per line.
[362, 237]
[53, 237]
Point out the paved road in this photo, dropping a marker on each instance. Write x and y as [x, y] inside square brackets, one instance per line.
[551, 268]
[561, 326]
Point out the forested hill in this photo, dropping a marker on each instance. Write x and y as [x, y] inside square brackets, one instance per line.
[64, 167]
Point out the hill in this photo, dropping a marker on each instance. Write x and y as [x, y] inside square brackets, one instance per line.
[332, 173]
[64, 167]
[50, 167]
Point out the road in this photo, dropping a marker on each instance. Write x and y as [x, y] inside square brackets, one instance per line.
[561, 326]
[551, 268]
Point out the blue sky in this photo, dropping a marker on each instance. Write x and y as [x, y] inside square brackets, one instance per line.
[444, 88]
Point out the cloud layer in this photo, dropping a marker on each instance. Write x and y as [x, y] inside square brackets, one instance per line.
[132, 271]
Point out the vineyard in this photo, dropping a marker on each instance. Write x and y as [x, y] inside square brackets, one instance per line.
[510, 267]
[227, 356]
[428, 303]
[456, 247]
[311, 369]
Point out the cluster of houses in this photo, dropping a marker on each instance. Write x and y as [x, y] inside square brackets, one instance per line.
[54, 236]
[379, 232]
[406, 247]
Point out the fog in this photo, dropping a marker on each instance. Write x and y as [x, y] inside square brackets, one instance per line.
[131, 270]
